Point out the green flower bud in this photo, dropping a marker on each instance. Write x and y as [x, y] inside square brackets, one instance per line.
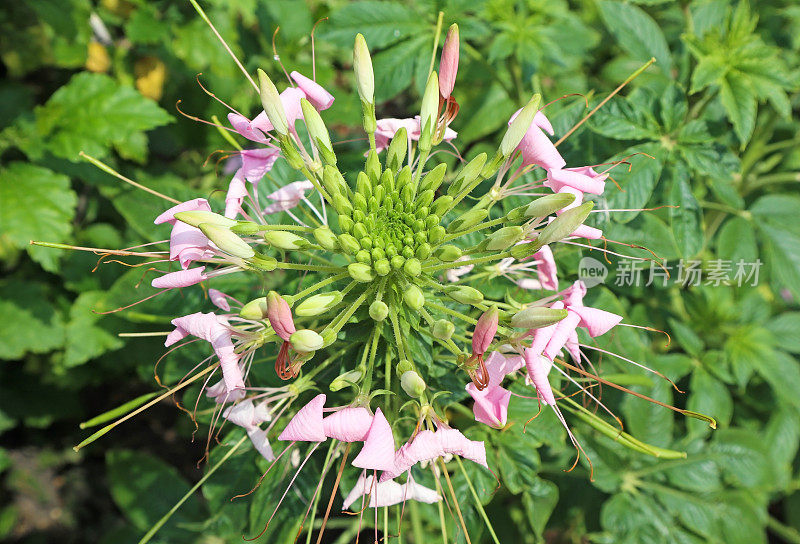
[343, 380]
[326, 238]
[306, 341]
[441, 205]
[318, 304]
[197, 217]
[345, 223]
[546, 205]
[425, 198]
[433, 179]
[378, 310]
[363, 184]
[523, 251]
[366, 242]
[537, 317]
[465, 294]
[372, 167]
[349, 244]
[245, 228]
[388, 181]
[504, 238]
[396, 153]
[468, 173]
[292, 155]
[362, 65]
[227, 241]
[429, 113]
[519, 126]
[423, 250]
[317, 131]
[263, 262]
[360, 272]
[412, 267]
[282, 239]
[363, 256]
[407, 195]
[413, 297]
[332, 180]
[467, 220]
[443, 329]
[448, 253]
[493, 165]
[342, 205]
[380, 193]
[381, 266]
[412, 384]
[271, 101]
[403, 366]
[563, 225]
[397, 262]
[255, 309]
[360, 203]
[436, 234]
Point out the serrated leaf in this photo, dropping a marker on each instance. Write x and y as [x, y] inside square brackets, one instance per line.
[637, 184]
[737, 241]
[686, 218]
[739, 102]
[35, 204]
[786, 328]
[777, 223]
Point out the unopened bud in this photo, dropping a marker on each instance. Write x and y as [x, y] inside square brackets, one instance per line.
[343, 380]
[441, 205]
[306, 341]
[504, 238]
[255, 309]
[448, 65]
[396, 153]
[413, 297]
[433, 179]
[195, 218]
[412, 267]
[448, 253]
[318, 304]
[280, 315]
[271, 101]
[227, 241]
[412, 384]
[326, 238]
[332, 180]
[349, 244]
[467, 220]
[443, 329]
[465, 294]
[537, 317]
[519, 126]
[485, 330]
[403, 366]
[282, 239]
[378, 310]
[246, 228]
[360, 272]
[362, 64]
[468, 174]
[264, 262]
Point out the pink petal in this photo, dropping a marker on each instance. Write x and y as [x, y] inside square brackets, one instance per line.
[188, 244]
[537, 149]
[590, 233]
[541, 121]
[237, 191]
[349, 424]
[385, 493]
[561, 334]
[306, 425]
[181, 278]
[573, 295]
[420, 493]
[315, 93]
[244, 127]
[219, 299]
[546, 268]
[597, 322]
[491, 405]
[260, 442]
[378, 451]
[220, 393]
[188, 206]
[453, 441]
[558, 178]
[257, 162]
[537, 371]
[241, 414]
[448, 65]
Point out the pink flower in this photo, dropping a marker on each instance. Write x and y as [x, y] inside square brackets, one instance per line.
[215, 330]
[538, 368]
[583, 179]
[306, 425]
[288, 196]
[485, 330]
[389, 492]
[186, 243]
[219, 299]
[448, 65]
[181, 278]
[546, 268]
[350, 424]
[491, 403]
[378, 450]
[387, 128]
[536, 147]
[248, 416]
[429, 445]
[257, 162]
[237, 191]
[221, 395]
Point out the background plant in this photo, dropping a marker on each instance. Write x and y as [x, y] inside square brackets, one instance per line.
[715, 112]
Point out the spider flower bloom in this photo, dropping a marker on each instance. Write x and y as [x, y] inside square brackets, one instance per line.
[216, 331]
[186, 243]
[378, 450]
[536, 147]
[429, 445]
[491, 403]
[389, 492]
[288, 196]
[249, 416]
[307, 424]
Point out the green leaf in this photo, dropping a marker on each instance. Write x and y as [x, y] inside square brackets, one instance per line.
[737, 241]
[739, 102]
[381, 23]
[394, 67]
[708, 396]
[638, 183]
[92, 113]
[686, 218]
[627, 118]
[29, 322]
[35, 204]
[539, 501]
[86, 340]
[782, 373]
[786, 328]
[777, 223]
[637, 33]
[742, 456]
[145, 487]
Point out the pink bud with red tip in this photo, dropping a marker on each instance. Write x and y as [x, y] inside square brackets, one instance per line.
[448, 65]
[280, 316]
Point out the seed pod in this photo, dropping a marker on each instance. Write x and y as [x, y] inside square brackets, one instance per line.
[546, 205]
[468, 173]
[413, 297]
[412, 384]
[195, 218]
[227, 241]
[255, 309]
[318, 304]
[519, 126]
[537, 317]
[285, 240]
[433, 179]
[271, 101]
[343, 380]
[467, 220]
[306, 341]
[378, 310]
[360, 272]
[465, 294]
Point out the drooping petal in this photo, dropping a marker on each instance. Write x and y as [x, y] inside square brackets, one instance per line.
[197, 204]
[596, 321]
[491, 405]
[541, 121]
[385, 493]
[349, 424]
[420, 493]
[538, 368]
[557, 178]
[181, 278]
[453, 441]
[237, 192]
[561, 334]
[590, 233]
[188, 244]
[221, 395]
[219, 299]
[288, 196]
[306, 425]
[260, 442]
[315, 93]
[546, 268]
[262, 413]
[257, 162]
[246, 128]
[241, 414]
[378, 451]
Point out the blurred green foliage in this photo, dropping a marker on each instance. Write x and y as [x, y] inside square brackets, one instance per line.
[714, 125]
